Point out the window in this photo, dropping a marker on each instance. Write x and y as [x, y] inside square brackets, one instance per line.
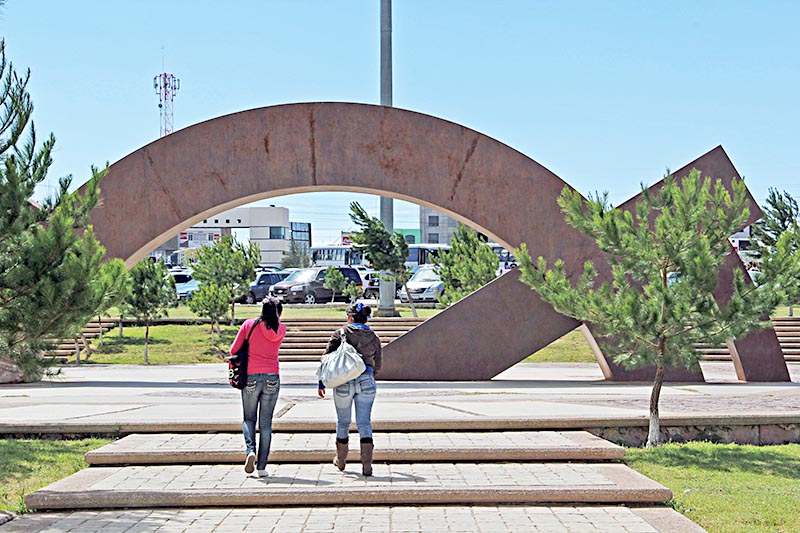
[352, 274]
[433, 220]
[433, 238]
[277, 232]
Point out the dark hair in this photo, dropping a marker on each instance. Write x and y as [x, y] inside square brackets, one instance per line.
[359, 312]
[271, 310]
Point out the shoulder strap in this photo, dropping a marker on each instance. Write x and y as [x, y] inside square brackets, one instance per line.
[256, 323]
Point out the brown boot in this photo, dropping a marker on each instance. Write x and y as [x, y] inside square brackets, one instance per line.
[366, 456]
[342, 447]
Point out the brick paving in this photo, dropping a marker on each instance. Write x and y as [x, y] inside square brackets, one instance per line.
[165, 448]
[173, 477]
[609, 519]
[298, 484]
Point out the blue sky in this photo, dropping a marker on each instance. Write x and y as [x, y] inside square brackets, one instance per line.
[605, 94]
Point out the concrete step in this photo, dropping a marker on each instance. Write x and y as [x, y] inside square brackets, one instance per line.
[228, 448]
[323, 484]
[326, 334]
[299, 358]
[377, 518]
[62, 352]
[340, 323]
[373, 320]
[303, 345]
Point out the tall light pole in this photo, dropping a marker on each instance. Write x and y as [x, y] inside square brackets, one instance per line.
[386, 300]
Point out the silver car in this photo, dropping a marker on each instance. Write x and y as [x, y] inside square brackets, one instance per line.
[425, 286]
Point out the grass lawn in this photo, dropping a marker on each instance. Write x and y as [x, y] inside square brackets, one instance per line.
[189, 344]
[28, 465]
[173, 344]
[571, 348]
[728, 487]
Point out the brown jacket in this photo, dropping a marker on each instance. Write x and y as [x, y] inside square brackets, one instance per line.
[364, 341]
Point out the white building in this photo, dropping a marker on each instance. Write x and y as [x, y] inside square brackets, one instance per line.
[269, 229]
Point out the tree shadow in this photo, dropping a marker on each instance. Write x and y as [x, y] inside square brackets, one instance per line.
[117, 345]
[762, 460]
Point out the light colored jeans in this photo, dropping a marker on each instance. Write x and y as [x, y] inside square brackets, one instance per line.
[360, 391]
[258, 403]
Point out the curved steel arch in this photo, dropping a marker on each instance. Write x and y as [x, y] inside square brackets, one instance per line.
[151, 194]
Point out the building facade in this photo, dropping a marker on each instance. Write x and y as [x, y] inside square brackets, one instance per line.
[269, 228]
[435, 228]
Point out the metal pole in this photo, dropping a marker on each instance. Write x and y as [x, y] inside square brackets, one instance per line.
[386, 53]
[386, 301]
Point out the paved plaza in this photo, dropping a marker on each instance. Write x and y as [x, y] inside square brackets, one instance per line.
[111, 398]
[438, 467]
[405, 519]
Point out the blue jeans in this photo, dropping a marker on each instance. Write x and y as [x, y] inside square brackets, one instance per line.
[360, 391]
[258, 403]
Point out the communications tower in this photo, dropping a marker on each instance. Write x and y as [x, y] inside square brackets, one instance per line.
[166, 85]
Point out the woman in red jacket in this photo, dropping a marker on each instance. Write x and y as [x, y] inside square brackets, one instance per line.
[263, 381]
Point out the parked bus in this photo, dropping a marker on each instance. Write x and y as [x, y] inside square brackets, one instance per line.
[422, 254]
[336, 255]
[346, 255]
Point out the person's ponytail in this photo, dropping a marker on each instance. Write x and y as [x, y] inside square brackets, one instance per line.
[271, 310]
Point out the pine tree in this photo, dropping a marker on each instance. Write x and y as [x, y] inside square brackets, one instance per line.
[228, 264]
[781, 213]
[334, 280]
[664, 263]
[210, 301]
[781, 217]
[152, 292]
[386, 251]
[467, 266]
[52, 275]
[352, 291]
[296, 257]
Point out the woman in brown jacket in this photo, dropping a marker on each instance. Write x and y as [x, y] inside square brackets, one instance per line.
[359, 391]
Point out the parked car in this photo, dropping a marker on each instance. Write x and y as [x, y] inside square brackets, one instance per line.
[372, 287]
[307, 285]
[262, 284]
[363, 271]
[185, 285]
[263, 267]
[425, 286]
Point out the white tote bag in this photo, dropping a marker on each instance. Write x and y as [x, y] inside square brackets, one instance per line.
[341, 365]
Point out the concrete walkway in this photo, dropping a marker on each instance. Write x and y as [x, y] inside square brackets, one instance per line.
[405, 519]
[229, 448]
[167, 399]
[130, 399]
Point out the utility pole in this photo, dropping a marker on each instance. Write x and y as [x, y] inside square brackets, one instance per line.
[386, 300]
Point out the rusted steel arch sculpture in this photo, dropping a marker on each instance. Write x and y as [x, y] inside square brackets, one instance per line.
[194, 173]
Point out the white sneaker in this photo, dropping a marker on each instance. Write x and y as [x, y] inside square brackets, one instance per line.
[250, 463]
[262, 473]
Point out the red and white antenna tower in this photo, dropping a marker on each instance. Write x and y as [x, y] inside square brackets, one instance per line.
[166, 85]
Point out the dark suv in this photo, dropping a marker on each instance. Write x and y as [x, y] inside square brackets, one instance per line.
[260, 287]
[306, 285]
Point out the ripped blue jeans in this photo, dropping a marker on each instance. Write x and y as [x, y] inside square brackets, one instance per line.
[361, 392]
[258, 403]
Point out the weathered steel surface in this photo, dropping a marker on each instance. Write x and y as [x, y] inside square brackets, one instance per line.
[186, 177]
